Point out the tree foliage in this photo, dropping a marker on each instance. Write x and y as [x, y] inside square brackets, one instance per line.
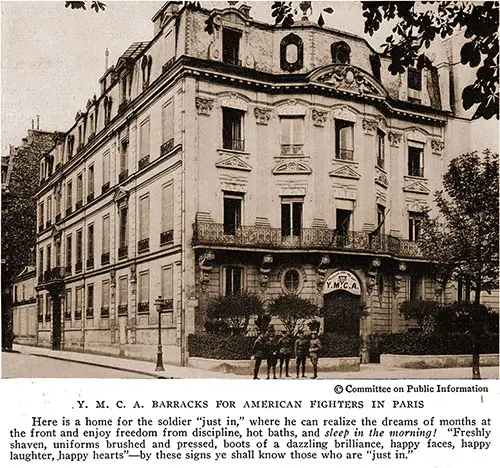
[292, 310]
[94, 5]
[464, 242]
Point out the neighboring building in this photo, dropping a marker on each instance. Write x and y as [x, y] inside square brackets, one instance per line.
[260, 158]
[19, 186]
[24, 311]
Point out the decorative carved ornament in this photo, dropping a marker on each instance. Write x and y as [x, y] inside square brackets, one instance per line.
[265, 269]
[345, 172]
[262, 115]
[233, 162]
[344, 193]
[395, 139]
[291, 53]
[350, 79]
[437, 146]
[344, 113]
[370, 126]
[121, 195]
[292, 167]
[372, 274]
[319, 117]
[415, 186]
[205, 262]
[204, 105]
[321, 271]
[416, 135]
[381, 179]
[234, 101]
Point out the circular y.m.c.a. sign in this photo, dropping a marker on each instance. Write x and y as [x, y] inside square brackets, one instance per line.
[342, 280]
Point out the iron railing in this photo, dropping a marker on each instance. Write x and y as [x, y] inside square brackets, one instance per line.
[212, 234]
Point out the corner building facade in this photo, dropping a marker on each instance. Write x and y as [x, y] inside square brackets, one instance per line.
[253, 158]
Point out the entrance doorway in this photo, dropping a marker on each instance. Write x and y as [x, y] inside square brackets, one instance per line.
[343, 311]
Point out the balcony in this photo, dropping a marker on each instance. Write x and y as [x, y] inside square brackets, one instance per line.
[143, 245]
[58, 217]
[104, 312]
[212, 234]
[345, 154]
[78, 267]
[143, 307]
[90, 197]
[292, 150]
[68, 210]
[90, 263]
[123, 175]
[122, 107]
[67, 270]
[105, 187]
[52, 275]
[48, 224]
[90, 313]
[91, 137]
[167, 147]
[40, 227]
[122, 252]
[105, 258]
[167, 237]
[79, 204]
[234, 145]
[123, 309]
[67, 315]
[57, 167]
[143, 162]
[78, 314]
[414, 171]
[79, 147]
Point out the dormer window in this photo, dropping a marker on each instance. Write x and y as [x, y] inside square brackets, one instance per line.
[414, 85]
[341, 53]
[231, 46]
[291, 53]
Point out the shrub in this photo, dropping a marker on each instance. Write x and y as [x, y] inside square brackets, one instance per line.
[262, 322]
[463, 317]
[292, 310]
[212, 346]
[231, 314]
[418, 343]
[424, 312]
[334, 345]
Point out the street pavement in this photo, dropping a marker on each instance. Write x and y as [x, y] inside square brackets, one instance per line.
[33, 362]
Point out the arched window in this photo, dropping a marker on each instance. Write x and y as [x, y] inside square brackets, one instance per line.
[291, 53]
[341, 53]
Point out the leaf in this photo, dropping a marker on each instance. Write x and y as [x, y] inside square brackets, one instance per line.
[321, 21]
[74, 5]
[328, 10]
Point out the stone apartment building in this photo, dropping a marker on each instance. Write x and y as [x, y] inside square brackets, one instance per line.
[254, 158]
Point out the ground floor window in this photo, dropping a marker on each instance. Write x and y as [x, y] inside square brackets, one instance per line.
[233, 280]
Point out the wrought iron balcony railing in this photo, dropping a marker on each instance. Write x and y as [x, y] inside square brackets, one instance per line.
[234, 144]
[143, 245]
[166, 237]
[292, 150]
[104, 312]
[143, 162]
[53, 275]
[105, 258]
[105, 187]
[344, 154]
[122, 252]
[212, 234]
[167, 146]
[123, 175]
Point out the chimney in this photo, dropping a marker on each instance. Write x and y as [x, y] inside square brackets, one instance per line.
[38, 122]
[32, 124]
[106, 55]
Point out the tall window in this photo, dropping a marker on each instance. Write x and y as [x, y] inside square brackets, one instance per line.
[342, 226]
[41, 216]
[79, 303]
[416, 161]
[232, 212]
[144, 140]
[91, 125]
[380, 149]
[57, 202]
[167, 286]
[69, 249]
[105, 299]
[90, 182]
[233, 280]
[40, 262]
[414, 79]
[105, 240]
[167, 127]
[414, 225]
[49, 257]
[105, 170]
[68, 305]
[415, 287]
[79, 191]
[90, 301]
[123, 237]
[143, 223]
[380, 217]
[232, 129]
[49, 210]
[292, 134]
[57, 246]
[167, 213]
[79, 253]
[344, 140]
[143, 305]
[291, 216]
[231, 46]
[90, 246]
[123, 296]
[69, 196]
[123, 156]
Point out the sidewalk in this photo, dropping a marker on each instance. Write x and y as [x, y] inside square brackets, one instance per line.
[146, 368]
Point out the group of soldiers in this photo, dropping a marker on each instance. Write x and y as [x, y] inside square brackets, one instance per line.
[272, 348]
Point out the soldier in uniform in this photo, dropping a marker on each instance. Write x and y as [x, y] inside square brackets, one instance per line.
[259, 352]
[314, 349]
[285, 347]
[272, 353]
[301, 352]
